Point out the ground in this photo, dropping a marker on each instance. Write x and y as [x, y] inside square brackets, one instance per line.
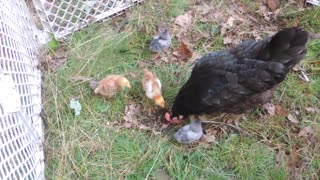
[126, 137]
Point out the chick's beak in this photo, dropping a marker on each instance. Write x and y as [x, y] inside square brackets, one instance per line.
[159, 101]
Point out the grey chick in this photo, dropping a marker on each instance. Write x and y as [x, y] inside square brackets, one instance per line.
[161, 40]
[189, 133]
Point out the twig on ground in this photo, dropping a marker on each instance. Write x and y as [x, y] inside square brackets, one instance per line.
[229, 125]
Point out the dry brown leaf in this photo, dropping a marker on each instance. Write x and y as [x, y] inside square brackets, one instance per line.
[79, 78]
[209, 138]
[183, 52]
[273, 4]
[227, 40]
[263, 10]
[312, 110]
[298, 67]
[230, 21]
[281, 111]
[305, 132]
[293, 118]
[270, 108]
[130, 112]
[185, 21]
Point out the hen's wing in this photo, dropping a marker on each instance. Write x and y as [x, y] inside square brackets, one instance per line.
[219, 84]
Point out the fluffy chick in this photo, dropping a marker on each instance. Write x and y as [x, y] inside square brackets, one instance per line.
[189, 133]
[111, 84]
[161, 40]
[152, 87]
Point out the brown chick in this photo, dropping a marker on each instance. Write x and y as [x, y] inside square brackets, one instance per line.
[152, 87]
[111, 84]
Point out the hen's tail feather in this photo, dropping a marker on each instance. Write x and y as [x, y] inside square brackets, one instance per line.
[287, 47]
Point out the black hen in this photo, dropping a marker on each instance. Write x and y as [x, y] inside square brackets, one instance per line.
[242, 78]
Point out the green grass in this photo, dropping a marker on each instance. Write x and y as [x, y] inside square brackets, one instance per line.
[84, 147]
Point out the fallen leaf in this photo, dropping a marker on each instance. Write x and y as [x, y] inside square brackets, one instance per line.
[270, 108]
[298, 67]
[263, 10]
[281, 111]
[312, 110]
[165, 59]
[305, 132]
[227, 40]
[185, 21]
[230, 21]
[209, 138]
[273, 4]
[75, 104]
[79, 78]
[293, 118]
[131, 111]
[183, 52]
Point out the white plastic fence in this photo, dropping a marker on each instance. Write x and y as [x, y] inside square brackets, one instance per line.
[62, 17]
[21, 134]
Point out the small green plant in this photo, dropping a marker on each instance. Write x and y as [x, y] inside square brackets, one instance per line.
[53, 45]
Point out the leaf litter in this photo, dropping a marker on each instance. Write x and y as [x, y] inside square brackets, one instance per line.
[275, 110]
[305, 132]
[234, 23]
[52, 61]
[137, 116]
[293, 118]
[183, 53]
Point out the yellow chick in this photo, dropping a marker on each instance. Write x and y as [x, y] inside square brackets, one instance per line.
[152, 87]
[111, 84]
